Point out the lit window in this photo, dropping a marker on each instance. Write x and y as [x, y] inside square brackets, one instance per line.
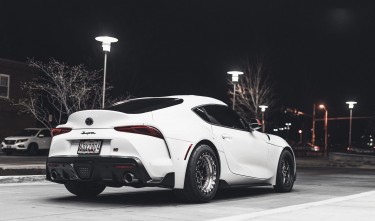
[4, 85]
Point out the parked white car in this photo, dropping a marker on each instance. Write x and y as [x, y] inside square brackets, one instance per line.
[191, 144]
[32, 140]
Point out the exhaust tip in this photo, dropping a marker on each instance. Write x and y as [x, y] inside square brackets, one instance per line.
[130, 178]
[53, 175]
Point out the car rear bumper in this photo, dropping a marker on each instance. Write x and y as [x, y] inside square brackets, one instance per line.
[111, 171]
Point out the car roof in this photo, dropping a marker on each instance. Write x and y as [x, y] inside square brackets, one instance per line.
[191, 100]
[194, 100]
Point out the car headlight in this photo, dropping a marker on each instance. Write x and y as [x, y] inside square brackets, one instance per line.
[21, 141]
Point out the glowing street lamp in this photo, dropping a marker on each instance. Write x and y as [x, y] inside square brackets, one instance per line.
[351, 106]
[263, 109]
[235, 76]
[106, 44]
[325, 129]
[300, 136]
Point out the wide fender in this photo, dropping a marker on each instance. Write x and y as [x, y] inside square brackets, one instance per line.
[180, 154]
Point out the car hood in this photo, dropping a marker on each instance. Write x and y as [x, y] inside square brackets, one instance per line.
[277, 141]
[16, 138]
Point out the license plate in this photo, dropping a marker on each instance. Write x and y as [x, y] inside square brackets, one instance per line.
[8, 147]
[89, 147]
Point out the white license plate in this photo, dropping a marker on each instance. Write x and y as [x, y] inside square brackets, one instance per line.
[89, 147]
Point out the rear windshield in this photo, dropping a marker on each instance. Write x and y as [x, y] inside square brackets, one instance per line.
[145, 105]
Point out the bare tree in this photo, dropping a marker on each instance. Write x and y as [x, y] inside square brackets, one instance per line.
[59, 91]
[254, 88]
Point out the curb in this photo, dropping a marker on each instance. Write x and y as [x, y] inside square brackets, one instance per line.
[7, 170]
[23, 179]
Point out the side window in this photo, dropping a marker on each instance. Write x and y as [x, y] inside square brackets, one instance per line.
[223, 115]
[202, 114]
[4, 85]
[46, 133]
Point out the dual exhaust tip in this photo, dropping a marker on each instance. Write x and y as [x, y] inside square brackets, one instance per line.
[128, 178]
[53, 175]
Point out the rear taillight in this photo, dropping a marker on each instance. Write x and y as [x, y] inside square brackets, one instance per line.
[145, 130]
[58, 131]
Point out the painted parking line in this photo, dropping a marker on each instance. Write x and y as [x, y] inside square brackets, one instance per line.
[293, 208]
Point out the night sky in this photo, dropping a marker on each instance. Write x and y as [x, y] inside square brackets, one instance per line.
[316, 51]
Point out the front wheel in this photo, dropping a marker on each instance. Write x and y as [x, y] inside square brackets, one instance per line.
[202, 176]
[285, 173]
[83, 189]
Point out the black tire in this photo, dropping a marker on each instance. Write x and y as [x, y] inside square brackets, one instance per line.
[33, 149]
[83, 189]
[285, 173]
[202, 176]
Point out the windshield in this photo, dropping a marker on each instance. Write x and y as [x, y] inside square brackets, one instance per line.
[27, 133]
[145, 105]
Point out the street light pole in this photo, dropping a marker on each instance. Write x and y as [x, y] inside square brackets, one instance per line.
[313, 127]
[106, 44]
[263, 109]
[351, 106]
[104, 78]
[234, 94]
[325, 129]
[235, 76]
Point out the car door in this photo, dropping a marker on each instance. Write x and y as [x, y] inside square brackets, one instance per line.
[246, 150]
[44, 139]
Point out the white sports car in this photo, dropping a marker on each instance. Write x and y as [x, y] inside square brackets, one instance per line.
[191, 144]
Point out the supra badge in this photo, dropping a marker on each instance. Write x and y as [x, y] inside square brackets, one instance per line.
[83, 132]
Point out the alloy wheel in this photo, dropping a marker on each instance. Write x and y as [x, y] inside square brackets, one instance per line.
[206, 171]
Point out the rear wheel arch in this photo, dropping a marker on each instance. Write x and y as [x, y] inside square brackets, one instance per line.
[213, 147]
[202, 174]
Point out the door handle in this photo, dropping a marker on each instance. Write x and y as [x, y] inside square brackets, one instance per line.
[226, 137]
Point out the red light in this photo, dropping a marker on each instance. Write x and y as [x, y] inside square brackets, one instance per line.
[145, 130]
[58, 131]
[187, 152]
[130, 166]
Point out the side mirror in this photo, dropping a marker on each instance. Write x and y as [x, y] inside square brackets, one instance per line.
[41, 135]
[255, 124]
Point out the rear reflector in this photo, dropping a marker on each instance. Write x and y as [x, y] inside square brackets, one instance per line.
[187, 152]
[58, 131]
[128, 166]
[145, 130]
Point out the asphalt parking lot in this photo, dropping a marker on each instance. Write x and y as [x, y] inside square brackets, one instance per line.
[318, 193]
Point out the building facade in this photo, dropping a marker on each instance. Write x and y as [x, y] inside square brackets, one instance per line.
[12, 75]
